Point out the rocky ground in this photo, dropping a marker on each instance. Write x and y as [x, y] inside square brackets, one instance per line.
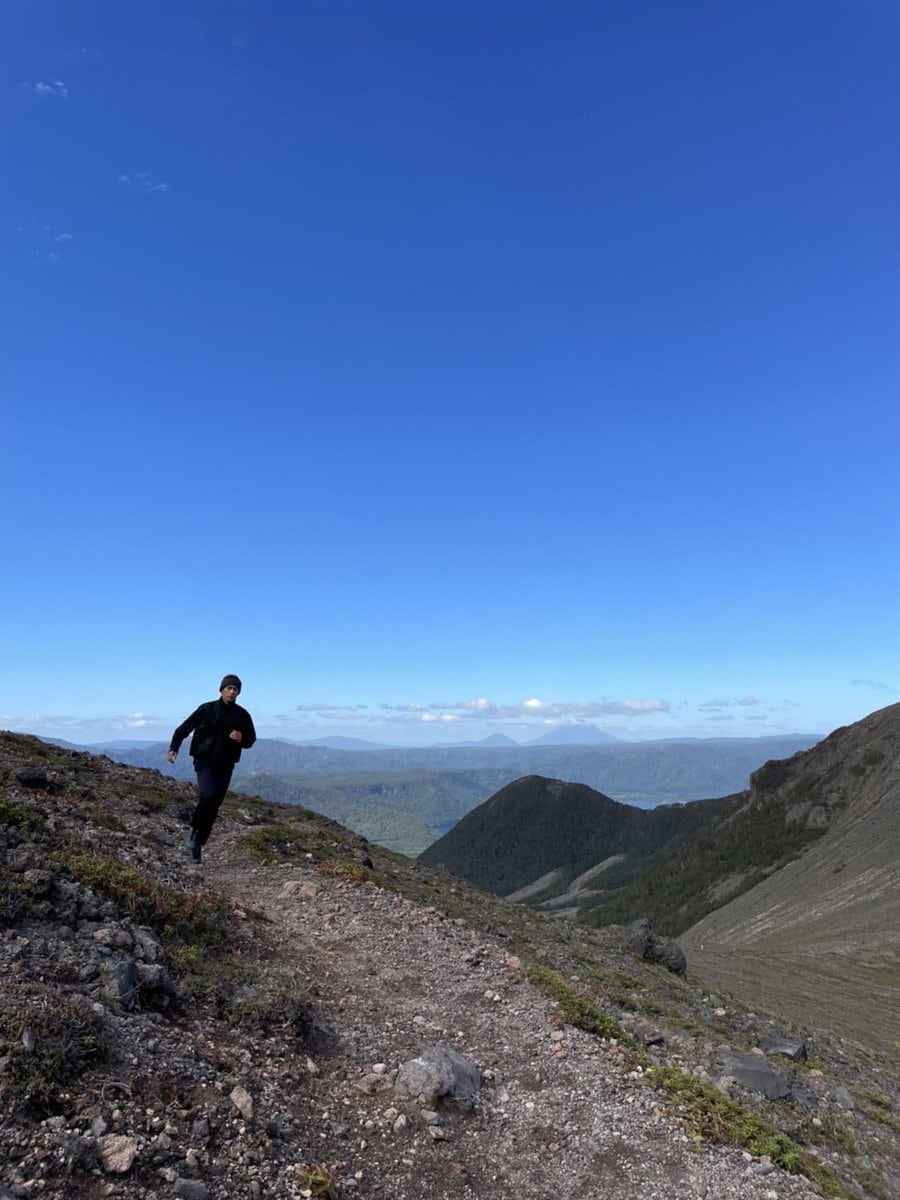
[246, 1029]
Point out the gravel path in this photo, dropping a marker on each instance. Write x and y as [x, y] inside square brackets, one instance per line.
[559, 1114]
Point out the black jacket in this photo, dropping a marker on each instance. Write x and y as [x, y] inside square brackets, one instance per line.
[211, 724]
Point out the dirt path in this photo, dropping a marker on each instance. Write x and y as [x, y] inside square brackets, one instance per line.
[558, 1113]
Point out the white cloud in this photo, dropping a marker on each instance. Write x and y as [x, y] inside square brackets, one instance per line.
[329, 708]
[718, 705]
[143, 183]
[55, 87]
[576, 710]
[85, 730]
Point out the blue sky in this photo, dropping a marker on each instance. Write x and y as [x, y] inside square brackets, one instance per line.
[449, 368]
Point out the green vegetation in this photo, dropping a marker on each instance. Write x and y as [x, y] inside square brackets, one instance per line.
[575, 1008]
[536, 825]
[316, 1181]
[878, 1109]
[189, 925]
[710, 1116]
[352, 869]
[401, 810]
[674, 891]
[48, 1038]
[182, 916]
[272, 844]
[13, 813]
[827, 1130]
[873, 1184]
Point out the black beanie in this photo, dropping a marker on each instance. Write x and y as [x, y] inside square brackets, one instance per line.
[230, 681]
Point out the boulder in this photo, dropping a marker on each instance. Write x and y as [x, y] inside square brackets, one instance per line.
[777, 1043]
[120, 983]
[640, 937]
[439, 1073]
[752, 1072]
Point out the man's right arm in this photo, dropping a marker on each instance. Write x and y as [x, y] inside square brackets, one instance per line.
[182, 731]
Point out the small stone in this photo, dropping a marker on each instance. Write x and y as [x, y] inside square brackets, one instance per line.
[191, 1189]
[117, 1153]
[242, 1101]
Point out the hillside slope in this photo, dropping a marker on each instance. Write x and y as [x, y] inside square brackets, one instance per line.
[827, 924]
[238, 1030]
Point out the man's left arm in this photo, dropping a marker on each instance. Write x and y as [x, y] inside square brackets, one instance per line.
[248, 733]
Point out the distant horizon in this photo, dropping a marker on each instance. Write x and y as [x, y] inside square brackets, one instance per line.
[447, 742]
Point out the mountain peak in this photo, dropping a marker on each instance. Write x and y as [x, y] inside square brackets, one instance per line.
[573, 735]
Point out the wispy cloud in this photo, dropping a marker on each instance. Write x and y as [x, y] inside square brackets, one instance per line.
[55, 87]
[46, 241]
[534, 709]
[874, 686]
[86, 729]
[330, 710]
[718, 705]
[143, 183]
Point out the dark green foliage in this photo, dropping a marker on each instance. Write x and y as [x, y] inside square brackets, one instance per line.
[273, 843]
[674, 892]
[536, 825]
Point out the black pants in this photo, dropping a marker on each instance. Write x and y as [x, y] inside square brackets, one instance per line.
[212, 784]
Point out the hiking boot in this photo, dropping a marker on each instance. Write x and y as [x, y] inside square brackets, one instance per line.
[193, 845]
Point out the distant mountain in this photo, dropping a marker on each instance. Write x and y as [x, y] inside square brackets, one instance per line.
[493, 739]
[574, 735]
[541, 834]
[341, 743]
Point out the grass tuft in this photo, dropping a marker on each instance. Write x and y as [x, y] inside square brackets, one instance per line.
[576, 1009]
[19, 815]
[181, 919]
[272, 844]
[49, 1038]
[710, 1116]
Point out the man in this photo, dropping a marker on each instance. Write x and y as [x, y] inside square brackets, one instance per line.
[222, 729]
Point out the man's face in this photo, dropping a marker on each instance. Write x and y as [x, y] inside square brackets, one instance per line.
[230, 693]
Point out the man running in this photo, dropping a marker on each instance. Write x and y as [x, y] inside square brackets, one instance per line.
[222, 729]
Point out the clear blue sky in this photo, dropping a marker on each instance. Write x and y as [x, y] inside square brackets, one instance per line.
[449, 367]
